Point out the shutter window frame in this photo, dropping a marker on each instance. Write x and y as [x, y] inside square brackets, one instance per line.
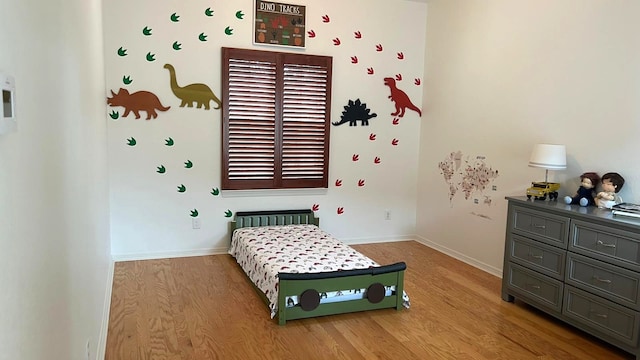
[275, 120]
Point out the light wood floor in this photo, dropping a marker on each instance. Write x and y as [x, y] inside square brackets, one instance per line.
[205, 308]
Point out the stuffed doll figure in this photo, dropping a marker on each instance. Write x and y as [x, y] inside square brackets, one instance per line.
[611, 184]
[584, 195]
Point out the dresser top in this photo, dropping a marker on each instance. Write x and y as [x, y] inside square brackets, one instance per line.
[587, 213]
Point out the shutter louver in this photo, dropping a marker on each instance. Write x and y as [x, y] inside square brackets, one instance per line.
[304, 119]
[252, 125]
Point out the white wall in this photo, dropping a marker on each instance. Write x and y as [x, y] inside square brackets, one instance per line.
[149, 218]
[55, 258]
[504, 75]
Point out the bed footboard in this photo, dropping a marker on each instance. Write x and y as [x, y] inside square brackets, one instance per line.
[308, 288]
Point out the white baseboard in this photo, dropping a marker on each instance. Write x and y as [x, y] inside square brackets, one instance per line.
[359, 241]
[462, 257]
[354, 241]
[168, 254]
[104, 328]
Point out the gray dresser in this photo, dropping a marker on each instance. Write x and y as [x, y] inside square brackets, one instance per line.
[579, 264]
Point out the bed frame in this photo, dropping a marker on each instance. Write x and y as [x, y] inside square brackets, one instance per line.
[309, 286]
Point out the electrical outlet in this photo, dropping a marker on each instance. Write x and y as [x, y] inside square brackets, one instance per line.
[195, 223]
[387, 214]
[494, 188]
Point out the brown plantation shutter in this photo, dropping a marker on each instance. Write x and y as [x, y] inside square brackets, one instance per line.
[305, 115]
[276, 110]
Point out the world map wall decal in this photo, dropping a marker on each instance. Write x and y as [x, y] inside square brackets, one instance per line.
[468, 174]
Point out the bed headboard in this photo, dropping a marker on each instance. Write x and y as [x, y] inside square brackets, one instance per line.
[272, 217]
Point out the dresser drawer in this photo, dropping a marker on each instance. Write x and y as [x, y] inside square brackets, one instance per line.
[616, 246]
[614, 283]
[601, 315]
[548, 228]
[539, 288]
[546, 259]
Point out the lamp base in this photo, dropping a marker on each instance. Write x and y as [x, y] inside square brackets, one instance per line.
[540, 190]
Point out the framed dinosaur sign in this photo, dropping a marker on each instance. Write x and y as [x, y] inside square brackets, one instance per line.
[279, 24]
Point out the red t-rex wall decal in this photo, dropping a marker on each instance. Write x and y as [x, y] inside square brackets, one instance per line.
[400, 98]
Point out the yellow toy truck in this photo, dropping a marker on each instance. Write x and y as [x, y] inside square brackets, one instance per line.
[540, 190]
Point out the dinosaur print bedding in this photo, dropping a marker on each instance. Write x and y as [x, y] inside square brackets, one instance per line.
[263, 252]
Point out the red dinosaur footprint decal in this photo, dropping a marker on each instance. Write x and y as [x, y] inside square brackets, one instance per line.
[340, 210]
[355, 157]
[400, 98]
[399, 77]
[354, 59]
[376, 160]
[325, 19]
[394, 142]
[379, 47]
[417, 81]
[338, 183]
[372, 137]
[311, 33]
[361, 182]
[396, 121]
[370, 71]
[315, 207]
[336, 41]
[357, 35]
[401, 56]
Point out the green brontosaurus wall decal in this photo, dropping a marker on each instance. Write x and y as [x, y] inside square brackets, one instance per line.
[201, 94]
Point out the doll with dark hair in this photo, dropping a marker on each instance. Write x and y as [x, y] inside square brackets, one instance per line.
[584, 195]
[611, 183]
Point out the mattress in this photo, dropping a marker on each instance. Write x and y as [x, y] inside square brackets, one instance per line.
[263, 252]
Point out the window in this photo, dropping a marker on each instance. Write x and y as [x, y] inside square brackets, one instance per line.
[275, 120]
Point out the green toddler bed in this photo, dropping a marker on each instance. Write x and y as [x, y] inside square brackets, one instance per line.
[301, 271]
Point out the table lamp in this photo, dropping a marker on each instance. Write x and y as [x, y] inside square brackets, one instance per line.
[548, 157]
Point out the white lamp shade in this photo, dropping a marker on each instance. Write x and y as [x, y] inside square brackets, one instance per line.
[549, 156]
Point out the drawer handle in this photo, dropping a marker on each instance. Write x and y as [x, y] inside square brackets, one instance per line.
[536, 256]
[606, 281]
[613, 246]
[603, 316]
[537, 226]
[536, 287]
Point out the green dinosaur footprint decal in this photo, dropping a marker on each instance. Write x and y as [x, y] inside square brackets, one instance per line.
[239, 14]
[122, 51]
[114, 115]
[182, 188]
[202, 37]
[228, 213]
[188, 164]
[177, 46]
[161, 169]
[215, 191]
[126, 80]
[228, 30]
[146, 31]
[168, 142]
[151, 57]
[208, 12]
[175, 17]
[194, 213]
[132, 141]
